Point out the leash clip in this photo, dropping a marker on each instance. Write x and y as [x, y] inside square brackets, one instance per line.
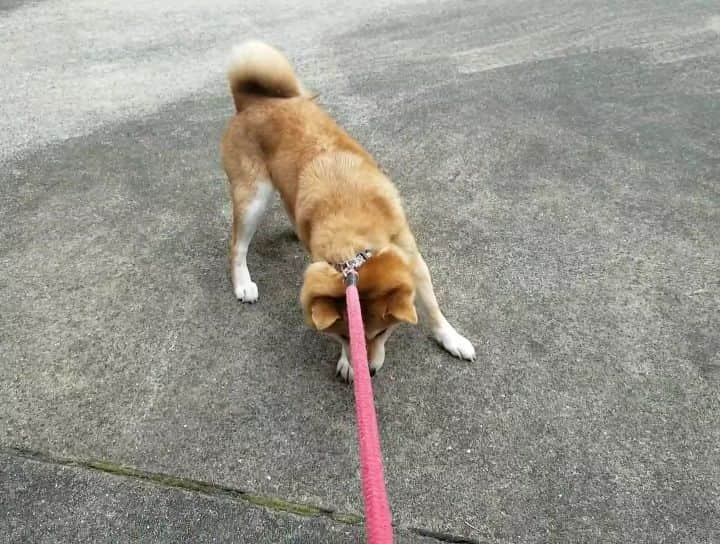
[349, 268]
[351, 278]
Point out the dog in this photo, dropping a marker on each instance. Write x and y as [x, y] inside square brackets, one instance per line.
[341, 205]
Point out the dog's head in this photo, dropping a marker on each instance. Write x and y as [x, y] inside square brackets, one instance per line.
[387, 296]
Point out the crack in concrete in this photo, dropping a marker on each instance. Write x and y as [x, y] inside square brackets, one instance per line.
[269, 502]
[188, 484]
[443, 537]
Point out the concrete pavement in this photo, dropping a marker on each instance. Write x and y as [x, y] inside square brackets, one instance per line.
[560, 167]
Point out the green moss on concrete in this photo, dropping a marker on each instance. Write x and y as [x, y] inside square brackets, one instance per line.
[268, 502]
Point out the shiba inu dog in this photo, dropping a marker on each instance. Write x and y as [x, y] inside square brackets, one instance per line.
[341, 205]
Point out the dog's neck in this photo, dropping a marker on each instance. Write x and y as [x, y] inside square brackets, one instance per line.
[350, 266]
[338, 253]
[338, 240]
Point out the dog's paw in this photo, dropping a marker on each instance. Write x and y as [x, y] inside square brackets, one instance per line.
[246, 292]
[344, 369]
[377, 360]
[455, 343]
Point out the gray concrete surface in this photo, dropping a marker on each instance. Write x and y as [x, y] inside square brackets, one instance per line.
[559, 163]
[43, 501]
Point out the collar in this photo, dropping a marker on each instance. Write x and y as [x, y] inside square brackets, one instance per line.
[350, 267]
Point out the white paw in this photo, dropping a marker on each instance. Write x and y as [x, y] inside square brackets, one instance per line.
[378, 359]
[455, 343]
[344, 369]
[247, 291]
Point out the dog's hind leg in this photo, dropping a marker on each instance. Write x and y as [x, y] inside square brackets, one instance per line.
[250, 197]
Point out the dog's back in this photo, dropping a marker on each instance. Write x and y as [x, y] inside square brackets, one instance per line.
[279, 133]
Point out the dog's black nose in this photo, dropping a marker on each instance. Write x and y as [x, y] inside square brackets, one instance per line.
[372, 372]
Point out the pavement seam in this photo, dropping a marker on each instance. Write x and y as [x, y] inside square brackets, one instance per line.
[443, 537]
[268, 502]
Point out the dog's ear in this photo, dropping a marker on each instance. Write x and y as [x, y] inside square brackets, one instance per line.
[388, 279]
[324, 312]
[401, 306]
[320, 295]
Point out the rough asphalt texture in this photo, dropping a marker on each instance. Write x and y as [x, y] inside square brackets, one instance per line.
[560, 165]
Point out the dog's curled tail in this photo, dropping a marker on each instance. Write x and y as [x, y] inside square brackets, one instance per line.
[257, 69]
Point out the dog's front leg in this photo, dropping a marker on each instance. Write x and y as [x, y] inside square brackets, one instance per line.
[344, 368]
[444, 332]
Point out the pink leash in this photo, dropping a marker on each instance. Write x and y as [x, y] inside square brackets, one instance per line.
[378, 521]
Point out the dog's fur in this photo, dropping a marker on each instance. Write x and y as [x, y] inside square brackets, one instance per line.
[338, 200]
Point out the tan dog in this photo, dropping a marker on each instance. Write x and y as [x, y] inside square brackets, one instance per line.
[339, 201]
